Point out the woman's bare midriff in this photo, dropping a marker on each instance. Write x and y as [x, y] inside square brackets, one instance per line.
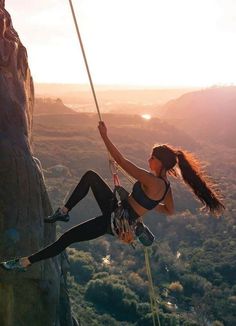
[136, 207]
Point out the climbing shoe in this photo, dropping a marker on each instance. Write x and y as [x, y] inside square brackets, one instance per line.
[57, 216]
[12, 265]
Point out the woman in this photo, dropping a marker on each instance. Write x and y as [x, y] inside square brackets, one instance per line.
[151, 191]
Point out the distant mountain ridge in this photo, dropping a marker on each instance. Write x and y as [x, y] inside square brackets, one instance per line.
[75, 93]
[50, 106]
[78, 133]
[209, 114]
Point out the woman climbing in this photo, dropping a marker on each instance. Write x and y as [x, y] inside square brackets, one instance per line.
[151, 191]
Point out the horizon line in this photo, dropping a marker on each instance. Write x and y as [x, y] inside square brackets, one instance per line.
[135, 86]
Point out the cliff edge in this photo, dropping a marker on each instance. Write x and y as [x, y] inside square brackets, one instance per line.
[34, 297]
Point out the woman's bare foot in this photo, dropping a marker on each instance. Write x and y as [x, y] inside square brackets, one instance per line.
[17, 264]
[24, 261]
[64, 210]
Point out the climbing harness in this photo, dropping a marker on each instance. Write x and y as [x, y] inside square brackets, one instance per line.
[125, 230]
[121, 226]
[123, 221]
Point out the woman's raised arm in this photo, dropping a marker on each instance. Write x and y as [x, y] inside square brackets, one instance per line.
[136, 172]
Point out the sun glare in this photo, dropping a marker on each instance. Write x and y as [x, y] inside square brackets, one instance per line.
[146, 116]
[163, 52]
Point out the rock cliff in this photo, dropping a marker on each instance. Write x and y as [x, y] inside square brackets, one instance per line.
[33, 297]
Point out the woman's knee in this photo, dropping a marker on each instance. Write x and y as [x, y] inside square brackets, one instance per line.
[91, 175]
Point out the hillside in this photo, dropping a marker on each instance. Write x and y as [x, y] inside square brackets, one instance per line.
[45, 106]
[207, 115]
[193, 258]
[78, 136]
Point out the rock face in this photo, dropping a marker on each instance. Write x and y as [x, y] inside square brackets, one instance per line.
[33, 297]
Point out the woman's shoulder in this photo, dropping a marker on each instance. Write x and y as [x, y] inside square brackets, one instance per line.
[159, 179]
[157, 185]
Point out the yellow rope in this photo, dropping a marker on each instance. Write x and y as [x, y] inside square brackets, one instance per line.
[115, 167]
[153, 301]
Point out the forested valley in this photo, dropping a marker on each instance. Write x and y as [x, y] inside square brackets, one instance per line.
[193, 259]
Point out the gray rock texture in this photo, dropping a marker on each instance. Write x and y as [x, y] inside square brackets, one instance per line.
[33, 297]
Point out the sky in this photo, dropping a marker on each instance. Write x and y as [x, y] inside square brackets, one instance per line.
[148, 43]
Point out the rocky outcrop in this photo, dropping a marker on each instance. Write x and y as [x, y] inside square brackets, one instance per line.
[33, 297]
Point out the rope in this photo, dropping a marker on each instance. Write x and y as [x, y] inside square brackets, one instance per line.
[87, 68]
[153, 301]
[85, 59]
[112, 163]
[114, 167]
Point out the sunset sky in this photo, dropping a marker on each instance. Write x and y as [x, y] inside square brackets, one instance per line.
[163, 43]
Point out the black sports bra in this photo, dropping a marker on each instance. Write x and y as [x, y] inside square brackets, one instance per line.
[142, 199]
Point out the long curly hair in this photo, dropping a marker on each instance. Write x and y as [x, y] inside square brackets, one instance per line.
[192, 175]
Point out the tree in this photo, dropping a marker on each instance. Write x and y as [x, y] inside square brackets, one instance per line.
[113, 297]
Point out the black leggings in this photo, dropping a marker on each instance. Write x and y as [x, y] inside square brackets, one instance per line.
[90, 229]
